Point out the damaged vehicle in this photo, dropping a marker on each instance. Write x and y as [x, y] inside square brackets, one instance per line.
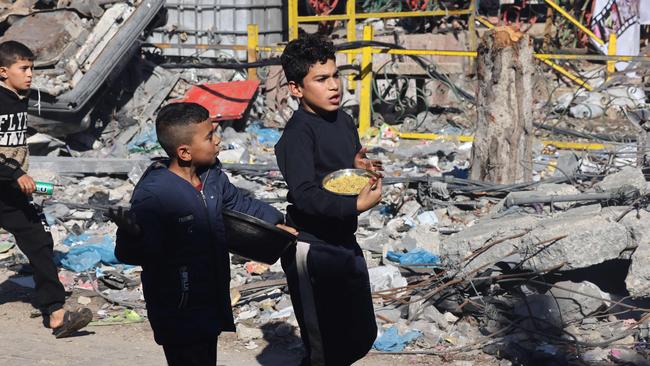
[80, 47]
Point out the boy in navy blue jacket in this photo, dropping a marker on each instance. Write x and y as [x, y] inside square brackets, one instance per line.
[175, 231]
[326, 273]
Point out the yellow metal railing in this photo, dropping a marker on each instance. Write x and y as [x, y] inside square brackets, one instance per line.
[366, 74]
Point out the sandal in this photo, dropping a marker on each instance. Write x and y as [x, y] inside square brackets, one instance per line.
[72, 322]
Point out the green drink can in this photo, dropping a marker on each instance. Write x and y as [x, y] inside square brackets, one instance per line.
[44, 188]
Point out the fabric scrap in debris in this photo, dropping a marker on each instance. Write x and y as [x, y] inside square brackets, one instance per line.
[392, 341]
[83, 257]
[415, 257]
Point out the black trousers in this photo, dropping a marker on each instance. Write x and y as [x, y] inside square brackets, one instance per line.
[332, 302]
[23, 220]
[195, 354]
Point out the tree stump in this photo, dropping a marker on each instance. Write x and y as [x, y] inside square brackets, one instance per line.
[502, 150]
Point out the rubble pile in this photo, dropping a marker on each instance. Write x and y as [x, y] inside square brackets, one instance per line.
[544, 271]
[552, 271]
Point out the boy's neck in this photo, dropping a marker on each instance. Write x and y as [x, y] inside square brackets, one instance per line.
[20, 93]
[323, 114]
[187, 171]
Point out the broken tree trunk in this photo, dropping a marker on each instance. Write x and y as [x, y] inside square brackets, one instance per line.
[502, 151]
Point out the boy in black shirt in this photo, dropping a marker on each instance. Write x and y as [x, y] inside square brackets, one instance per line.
[326, 272]
[17, 215]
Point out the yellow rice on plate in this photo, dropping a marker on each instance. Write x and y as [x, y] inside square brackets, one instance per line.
[347, 184]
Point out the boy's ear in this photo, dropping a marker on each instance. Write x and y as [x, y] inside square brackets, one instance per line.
[295, 89]
[183, 153]
[3, 72]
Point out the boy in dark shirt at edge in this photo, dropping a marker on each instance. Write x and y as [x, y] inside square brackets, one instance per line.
[175, 231]
[17, 215]
[326, 272]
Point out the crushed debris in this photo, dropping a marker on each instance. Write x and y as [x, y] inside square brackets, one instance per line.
[549, 270]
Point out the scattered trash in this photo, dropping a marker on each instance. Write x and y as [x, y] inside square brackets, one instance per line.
[385, 277]
[83, 300]
[256, 268]
[127, 317]
[84, 256]
[391, 341]
[417, 257]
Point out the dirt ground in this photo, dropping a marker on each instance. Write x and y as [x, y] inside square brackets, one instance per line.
[24, 341]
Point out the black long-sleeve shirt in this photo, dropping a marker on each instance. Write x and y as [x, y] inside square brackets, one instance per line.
[310, 148]
[13, 134]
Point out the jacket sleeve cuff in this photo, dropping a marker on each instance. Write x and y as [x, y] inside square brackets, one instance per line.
[18, 173]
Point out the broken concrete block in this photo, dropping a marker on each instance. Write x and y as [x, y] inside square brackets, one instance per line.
[638, 275]
[390, 315]
[422, 236]
[431, 314]
[572, 302]
[455, 248]
[246, 333]
[587, 241]
[627, 177]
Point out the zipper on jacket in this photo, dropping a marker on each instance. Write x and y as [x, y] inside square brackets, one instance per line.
[205, 203]
[185, 286]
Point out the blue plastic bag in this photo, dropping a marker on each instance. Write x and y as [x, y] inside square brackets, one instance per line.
[145, 141]
[416, 257]
[86, 256]
[264, 136]
[392, 341]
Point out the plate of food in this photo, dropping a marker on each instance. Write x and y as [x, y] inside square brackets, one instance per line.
[347, 182]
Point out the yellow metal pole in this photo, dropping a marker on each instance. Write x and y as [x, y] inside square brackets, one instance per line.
[573, 20]
[425, 52]
[351, 11]
[253, 40]
[485, 22]
[384, 15]
[568, 74]
[568, 145]
[293, 19]
[611, 51]
[365, 99]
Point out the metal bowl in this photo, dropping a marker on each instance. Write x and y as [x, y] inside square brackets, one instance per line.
[255, 239]
[343, 173]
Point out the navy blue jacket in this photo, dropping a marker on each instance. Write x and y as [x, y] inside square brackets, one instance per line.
[182, 250]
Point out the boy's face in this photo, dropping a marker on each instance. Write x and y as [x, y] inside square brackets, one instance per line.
[204, 148]
[18, 76]
[320, 91]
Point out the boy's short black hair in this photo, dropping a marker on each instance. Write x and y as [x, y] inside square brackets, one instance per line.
[172, 122]
[13, 51]
[302, 53]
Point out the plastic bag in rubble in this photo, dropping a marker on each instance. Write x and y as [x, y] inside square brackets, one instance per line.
[385, 277]
[416, 257]
[145, 141]
[586, 111]
[89, 252]
[267, 137]
[391, 341]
